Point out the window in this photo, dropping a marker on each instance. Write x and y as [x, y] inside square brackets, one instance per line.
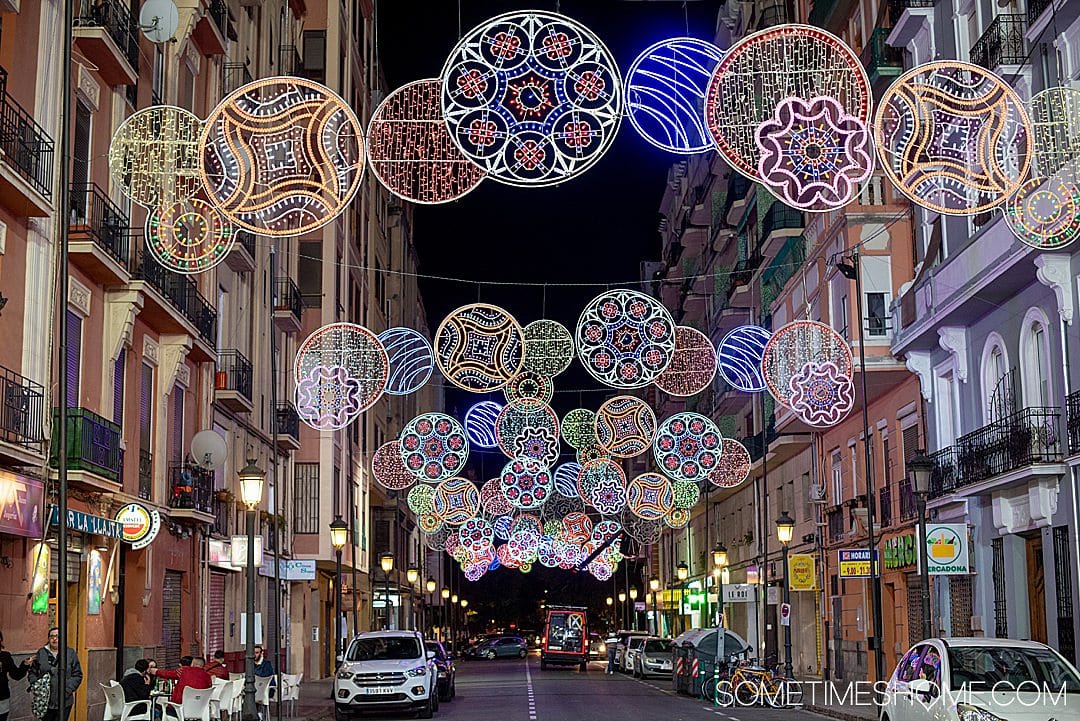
[837, 480]
[80, 158]
[994, 365]
[1035, 356]
[74, 356]
[177, 436]
[854, 469]
[306, 498]
[877, 320]
[945, 406]
[118, 388]
[146, 407]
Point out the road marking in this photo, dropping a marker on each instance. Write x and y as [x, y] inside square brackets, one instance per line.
[529, 689]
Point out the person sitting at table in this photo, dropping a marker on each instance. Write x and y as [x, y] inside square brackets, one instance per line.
[136, 682]
[263, 667]
[217, 667]
[193, 675]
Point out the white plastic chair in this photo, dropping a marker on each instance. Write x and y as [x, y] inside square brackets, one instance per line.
[290, 689]
[116, 709]
[234, 676]
[235, 696]
[217, 689]
[194, 705]
[262, 690]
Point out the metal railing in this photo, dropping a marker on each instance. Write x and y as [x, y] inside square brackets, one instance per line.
[93, 443]
[878, 326]
[180, 291]
[897, 7]
[93, 213]
[738, 187]
[289, 61]
[777, 14]
[836, 526]
[246, 239]
[219, 12]
[116, 20]
[233, 76]
[885, 506]
[780, 216]
[878, 54]
[1028, 436]
[22, 409]
[146, 474]
[287, 297]
[1035, 10]
[909, 503]
[744, 270]
[191, 488]
[288, 420]
[1002, 43]
[1072, 423]
[25, 145]
[233, 373]
[222, 510]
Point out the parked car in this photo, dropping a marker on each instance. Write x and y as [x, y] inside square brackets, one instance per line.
[624, 643]
[633, 648]
[653, 657]
[981, 679]
[385, 670]
[597, 647]
[470, 650]
[503, 647]
[444, 664]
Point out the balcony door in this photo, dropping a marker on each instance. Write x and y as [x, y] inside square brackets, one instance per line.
[80, 160]
[1036, 588]
[1035, 354]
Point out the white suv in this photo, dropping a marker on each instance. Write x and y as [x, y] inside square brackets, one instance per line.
[386, 670]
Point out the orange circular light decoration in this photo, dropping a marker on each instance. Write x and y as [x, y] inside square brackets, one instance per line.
[479, 347]
[188, 236]
[625, 426]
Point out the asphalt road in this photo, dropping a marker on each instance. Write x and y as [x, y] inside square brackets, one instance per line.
[517, 690]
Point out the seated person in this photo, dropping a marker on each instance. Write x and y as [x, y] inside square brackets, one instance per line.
[217, 667]
[263, 667]
[136, 682]
[193, 675]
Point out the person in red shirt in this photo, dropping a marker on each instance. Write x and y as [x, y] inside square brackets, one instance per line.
[217, 667]
[193, 676]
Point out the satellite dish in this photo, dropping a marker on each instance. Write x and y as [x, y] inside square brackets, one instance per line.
[209, 449]
[158, 20]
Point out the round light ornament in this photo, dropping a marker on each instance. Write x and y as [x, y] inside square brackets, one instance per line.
[434, 447]
[577, 428]
[421, 500]
[341, 370]
[456, 500]
[693, 364]
[677, 518]
[650, 496]
[389, 469]
[526, 483]
[688, 446]
[762, 70]
[549, 347]
[188, 236]
[281, 156]
[530, 386]
[492, 499]
[154, 156]
[734, 465]
[410, 149]
[479, 347]
[1045, 212]
[953, 137]
[429, 523]
[821, 394]
[411, 360]
[528, 429]
[480, 424]
[602, 485]
[739, 357]
[566, 477]
[533, 98]
[1055, 121]
[625, 426]
[793, 346]
[625, 339]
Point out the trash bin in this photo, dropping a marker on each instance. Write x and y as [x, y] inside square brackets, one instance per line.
[697, 648]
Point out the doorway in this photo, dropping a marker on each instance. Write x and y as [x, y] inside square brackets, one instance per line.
[1036, 589]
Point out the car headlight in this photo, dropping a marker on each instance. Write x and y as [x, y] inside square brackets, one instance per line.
[967, 712]
[418, 671]
[345, 675]
[603, 648]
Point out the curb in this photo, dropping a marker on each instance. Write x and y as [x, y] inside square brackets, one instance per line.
[837, 713]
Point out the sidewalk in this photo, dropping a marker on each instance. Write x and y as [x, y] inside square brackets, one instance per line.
[315, 701]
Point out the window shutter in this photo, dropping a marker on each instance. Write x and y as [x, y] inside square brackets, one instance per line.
[178, 425]
[80, 160]
[911, 442]
[74, 352]
[118, 389]
[146, 406]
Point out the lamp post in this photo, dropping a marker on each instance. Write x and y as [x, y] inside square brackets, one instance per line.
[251, 484]
[412, 575]
[920, 467]
[430, 586]
[445, 595]
[339, 535]
[654, 586]
[465, 617]
[453, 619]
[785, 529]
[386, 562]
[683, 572]
[719, 562]
[622, 610]
[633, 609]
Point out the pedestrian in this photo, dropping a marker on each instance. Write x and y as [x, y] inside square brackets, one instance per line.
[189, 675]
[136, 681]
[217, 667]
[263, 667]
[46, 664]
[9, 671]
[612, 642]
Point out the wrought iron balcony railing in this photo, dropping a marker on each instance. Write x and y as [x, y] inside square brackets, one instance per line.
[288, 420]
[146, 475]
[289, 60]
[233, 76]
[1072, 403]
[219, 12]
[26, 146]
[837, 528]
[180, 291]
[1002, 43]
[287, 297]
[878, 56]
[780, 216]
[222, 511]
[1035, 10]
[909, 503]
[192, 488]
[22, 408]
[94, 214]
[93, 444]
[897, 7]
[885, 506]
[233, 373]
[116, 20]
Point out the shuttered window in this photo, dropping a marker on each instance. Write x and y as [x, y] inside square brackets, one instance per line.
[118, 388]
[177, 435]
[146, 407]
[215, 607]
[911, 442]
[306, 498]
[74, 357]
[80, 159]
[171, 629]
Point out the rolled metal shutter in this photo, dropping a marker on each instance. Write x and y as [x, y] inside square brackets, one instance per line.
[171, 634]
[215, 609]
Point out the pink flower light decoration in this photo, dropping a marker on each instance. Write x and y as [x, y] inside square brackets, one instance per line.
[814, 155]
[821, 394]
[328, 398]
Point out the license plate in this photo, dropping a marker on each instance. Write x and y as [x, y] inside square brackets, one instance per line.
[378, 691]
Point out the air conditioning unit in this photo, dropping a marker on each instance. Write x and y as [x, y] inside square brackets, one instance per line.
[817, 493]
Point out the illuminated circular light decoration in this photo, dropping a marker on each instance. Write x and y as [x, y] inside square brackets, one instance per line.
[558, 505]
[526, 483]
[549, 348]
[688, 446]
[1055, 120]
[434, 446]
[534, 98]
[154, 156]
[734, 465]
[602, 484]
[436, 540]
[188, 236]
[641, 530]
[566, 477]
[479, 347]
[625, 426]
[739, 357]
[577, 527]
[410, 149]
[953, 137]
[764, 69]
[1045, 212]
[577, 428]
[528, 429]
[364, 369]
[456, 500]
[796, 344]
[821, 395]
[650, 496]
[429, 522]
[625, 339]
[665, 90]
[411, 360]
[592, 452]
[281, 156]
[480, 424]
[529, 385]
[813, 154]
[492, 499]
[421, 500]
[502, 526]
[693, 364]
[388, 468]
[677, 518]
[526, 523]
[684, 494]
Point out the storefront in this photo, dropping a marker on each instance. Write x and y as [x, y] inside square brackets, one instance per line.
[901, 594]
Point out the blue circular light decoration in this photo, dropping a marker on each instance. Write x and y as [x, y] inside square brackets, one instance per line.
[411, 360]
[566, 477]
[502, 527]
[739, 357]
[480, 424]
[665, 93]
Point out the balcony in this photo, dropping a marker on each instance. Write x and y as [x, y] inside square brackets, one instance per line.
[241, 257]
[909, 502]
[1035, 9]
[106, 34]
[232, 381]
[885, 506]
[822, 13]
[908, 18]
[774, 15]
[1028, 437]
[184, 309]
[289, 61]
[882, 61]
[22, 408]
[146, 475]
[785, 264]
[26, 159]
[735, 200]
[897, 7]
[233, 76]
[1072, 404]
[837, 528]
[744, 272]
[1002, 43]
[191, 494]
[99, 234]
[222, 512]
[288, 427]
[94, 459]
[288, 305]
[781, 222]
[212, 29]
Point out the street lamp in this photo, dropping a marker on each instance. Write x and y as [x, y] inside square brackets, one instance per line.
[633, 599]
[386, 563]
[719, 559]
[412, 575]
[785, 529]
[654, 586]
[251, 485]
[683, 572]
[339, 535]
[431, 587]
[920, 468]
[622, 606]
